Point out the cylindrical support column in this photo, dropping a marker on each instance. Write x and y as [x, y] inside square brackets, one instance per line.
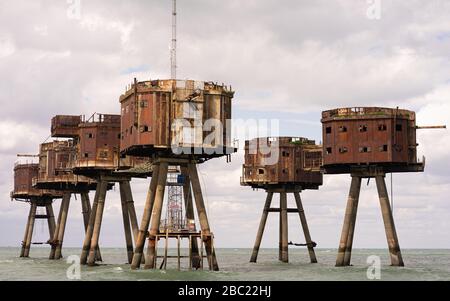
[201, 212]
[98, 223]
[355, 190]
[280, 234]
[126, 222]
[284, 228]
[351, 231]
[262, 226]
[140, 241]
[50, 219]
[62, 227]
[389, 225]
[86, 211]
[31, 218]
[131, 209]
[309, 242]
[54, 239]
[102, 186]
[156, 216]
[189, 205]
[27, 227]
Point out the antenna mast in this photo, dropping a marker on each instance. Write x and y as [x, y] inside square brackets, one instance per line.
[173, 50]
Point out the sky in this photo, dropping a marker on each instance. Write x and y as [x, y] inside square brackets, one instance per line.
[287, 60]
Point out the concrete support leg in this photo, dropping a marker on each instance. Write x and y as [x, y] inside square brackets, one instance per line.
[284, 228]
[90, 229]
[29, 235]
[126, 222]
[262, 226]
[86, 211]
[97, 223]
[132, 213]
[301, 212]
[189, 205]
[204, 223]
[351, 231]
[346, 243]
[391, 233]
[140, 241]
[280, 235]
[54, 239]
[50, 220]
[150, 262]
[62, 227]
[22, 251]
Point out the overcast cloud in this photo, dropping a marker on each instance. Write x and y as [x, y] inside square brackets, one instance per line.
[286, 59]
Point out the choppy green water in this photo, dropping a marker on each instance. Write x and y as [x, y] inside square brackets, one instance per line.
[234, 263]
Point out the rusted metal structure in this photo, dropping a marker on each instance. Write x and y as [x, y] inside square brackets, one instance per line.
[282, 165]
[368, 143]
[95, 159]
[56, 160]
[25, 192]
[173, 118]
[178, 124]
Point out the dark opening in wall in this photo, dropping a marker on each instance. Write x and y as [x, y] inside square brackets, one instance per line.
[343, 129]
[328, 130]
[399, 128]
[384, 148]
[363, 128]
[382, 127]
[365, 149]
[329, 150]
[261, 171]
[343, 150]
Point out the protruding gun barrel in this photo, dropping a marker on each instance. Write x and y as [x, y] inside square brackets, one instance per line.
[431, 127]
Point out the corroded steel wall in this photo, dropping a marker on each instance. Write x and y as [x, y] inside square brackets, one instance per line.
[298, 162]
[369, 136]
[65, 126]
[98, 143]
[24, 174]
[150, 109]
[56, 160]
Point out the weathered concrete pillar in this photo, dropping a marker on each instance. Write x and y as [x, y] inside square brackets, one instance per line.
[98, 223]
[353, 196]
[86, 211]
[140, 241]
[309, 242]
[201, 212]
[126, 222]
[132, 213]
[389, 225]
[280, 234]
[262, 226]
[189, 205]
[50, 219]
[156, 216]
[62, 227]
[284, 228]
[351, 231]
[54, 239]
[27, 227]
[31, 218]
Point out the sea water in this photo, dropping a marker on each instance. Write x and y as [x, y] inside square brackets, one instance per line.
[428, 265]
